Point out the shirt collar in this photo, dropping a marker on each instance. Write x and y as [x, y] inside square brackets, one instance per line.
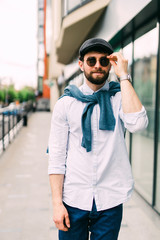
[88, 91]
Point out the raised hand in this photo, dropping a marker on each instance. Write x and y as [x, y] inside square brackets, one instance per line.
[119, 63]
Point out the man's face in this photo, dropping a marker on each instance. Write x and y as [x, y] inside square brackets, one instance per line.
[96, 67]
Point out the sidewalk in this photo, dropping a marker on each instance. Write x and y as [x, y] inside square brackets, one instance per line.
[25, 198]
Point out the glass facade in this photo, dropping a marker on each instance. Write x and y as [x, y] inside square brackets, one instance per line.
[127, 52]
[145, 63]
[157, 204]
[157, 199]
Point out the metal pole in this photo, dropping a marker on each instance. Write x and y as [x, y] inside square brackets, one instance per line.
[9, 140]
[3, 132]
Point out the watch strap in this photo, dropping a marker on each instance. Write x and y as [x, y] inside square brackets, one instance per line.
[125, 77]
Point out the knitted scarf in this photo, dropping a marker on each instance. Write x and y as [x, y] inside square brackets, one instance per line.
[102, 97]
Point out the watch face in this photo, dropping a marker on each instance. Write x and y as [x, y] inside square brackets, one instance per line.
[129, 78]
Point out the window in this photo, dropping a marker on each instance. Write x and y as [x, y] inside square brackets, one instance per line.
[157, 203]
[41, 51]
[145, 63]
[127, 52]
[40, 34]
[41, 4]
[69, 5]
[41, 18]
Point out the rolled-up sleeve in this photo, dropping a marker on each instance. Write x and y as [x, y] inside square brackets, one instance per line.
[134, 122]
[58, 139]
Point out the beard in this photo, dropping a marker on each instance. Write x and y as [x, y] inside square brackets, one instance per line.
[98, 80]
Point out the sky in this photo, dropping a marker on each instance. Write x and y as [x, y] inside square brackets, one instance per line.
[18, 42]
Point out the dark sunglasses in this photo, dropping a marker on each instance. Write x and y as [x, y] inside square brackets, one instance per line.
[91, 61]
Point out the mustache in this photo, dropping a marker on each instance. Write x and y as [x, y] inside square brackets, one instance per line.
[98, 71]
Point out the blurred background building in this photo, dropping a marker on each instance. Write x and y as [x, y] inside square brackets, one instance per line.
[130, 26]
[43, 86]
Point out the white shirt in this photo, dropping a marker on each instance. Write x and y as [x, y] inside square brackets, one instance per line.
[105, 172]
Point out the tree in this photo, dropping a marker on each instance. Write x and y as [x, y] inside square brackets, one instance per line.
[11, 94]
[26, 94]
[2, 95]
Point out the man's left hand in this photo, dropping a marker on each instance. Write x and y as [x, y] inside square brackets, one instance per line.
[119, 63]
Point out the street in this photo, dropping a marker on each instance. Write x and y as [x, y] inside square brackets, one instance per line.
[25, 199]
[25, 196]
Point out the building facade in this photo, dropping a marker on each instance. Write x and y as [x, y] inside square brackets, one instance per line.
[42, 61]
[132, 27]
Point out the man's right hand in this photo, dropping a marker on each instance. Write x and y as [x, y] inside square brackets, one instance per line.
[61, 217]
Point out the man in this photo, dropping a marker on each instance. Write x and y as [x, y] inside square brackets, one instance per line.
[89, 169]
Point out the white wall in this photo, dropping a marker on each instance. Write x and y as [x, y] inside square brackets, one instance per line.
[117, 15]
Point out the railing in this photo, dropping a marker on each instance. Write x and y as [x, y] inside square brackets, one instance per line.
[69, 6]
[12, 118]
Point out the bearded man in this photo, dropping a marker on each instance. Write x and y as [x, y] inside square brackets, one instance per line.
[89, 169]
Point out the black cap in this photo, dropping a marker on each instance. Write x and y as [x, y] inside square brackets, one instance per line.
[94, 43]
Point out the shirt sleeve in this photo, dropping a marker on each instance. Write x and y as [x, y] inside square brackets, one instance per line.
[58, 139]
[134, 122]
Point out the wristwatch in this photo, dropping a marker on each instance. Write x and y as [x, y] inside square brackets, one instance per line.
[125, 77]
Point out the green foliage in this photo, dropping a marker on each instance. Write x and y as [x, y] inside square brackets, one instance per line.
[2, 95]
[9, 94]
[26, 94]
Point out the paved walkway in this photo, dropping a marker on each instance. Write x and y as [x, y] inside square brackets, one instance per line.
[25, 198]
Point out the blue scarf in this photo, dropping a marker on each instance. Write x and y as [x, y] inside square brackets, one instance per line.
[102, 97]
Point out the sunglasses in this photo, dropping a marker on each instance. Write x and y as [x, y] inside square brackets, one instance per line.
[91, 61]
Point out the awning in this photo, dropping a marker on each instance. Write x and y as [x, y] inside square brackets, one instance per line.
[75, 28]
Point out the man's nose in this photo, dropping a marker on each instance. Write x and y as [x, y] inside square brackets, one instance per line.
[97, 65]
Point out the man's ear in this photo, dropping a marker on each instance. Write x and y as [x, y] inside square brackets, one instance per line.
[81, 65]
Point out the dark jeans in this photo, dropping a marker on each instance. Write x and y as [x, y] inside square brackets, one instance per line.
[103, 225]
